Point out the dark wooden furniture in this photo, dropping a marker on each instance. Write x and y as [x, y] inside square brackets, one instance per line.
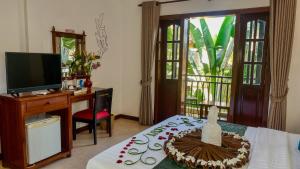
[101, 110]
[14, 112]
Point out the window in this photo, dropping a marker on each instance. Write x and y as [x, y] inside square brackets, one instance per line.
[254, 51]
[173, 51]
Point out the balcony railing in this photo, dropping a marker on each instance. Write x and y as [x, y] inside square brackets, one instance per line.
[203, 92]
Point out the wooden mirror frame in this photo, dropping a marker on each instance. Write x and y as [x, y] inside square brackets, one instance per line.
[78, 37]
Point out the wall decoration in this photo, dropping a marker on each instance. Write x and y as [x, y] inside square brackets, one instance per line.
[101, 36]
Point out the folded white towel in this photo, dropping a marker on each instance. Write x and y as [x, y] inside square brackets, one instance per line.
[270, 150]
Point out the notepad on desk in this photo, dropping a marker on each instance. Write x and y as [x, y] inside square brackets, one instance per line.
[80, 91]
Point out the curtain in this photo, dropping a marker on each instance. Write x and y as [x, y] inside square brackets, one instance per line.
[282, 25]
[150, 21]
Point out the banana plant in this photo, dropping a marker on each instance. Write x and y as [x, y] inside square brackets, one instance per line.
[218, 51]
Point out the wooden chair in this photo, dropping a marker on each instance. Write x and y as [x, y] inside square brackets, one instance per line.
[101, 111]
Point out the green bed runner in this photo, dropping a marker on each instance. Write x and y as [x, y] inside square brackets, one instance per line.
[229, 127]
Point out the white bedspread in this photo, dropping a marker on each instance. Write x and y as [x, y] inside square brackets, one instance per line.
[269, 148]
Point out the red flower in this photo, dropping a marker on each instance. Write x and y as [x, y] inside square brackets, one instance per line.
[174, 129]
[121, 156]
[161, 138]
[122, 152]
[125, 148]
[131, 142]
[119, 161]
[128, 145]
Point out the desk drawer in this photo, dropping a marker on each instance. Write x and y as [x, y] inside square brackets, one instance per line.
[44, 104]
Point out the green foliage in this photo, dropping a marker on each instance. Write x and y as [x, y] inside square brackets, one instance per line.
[83, 63]
[199, 95]
[68, 43]
[219, 50]
[216, 50]
[223, 39]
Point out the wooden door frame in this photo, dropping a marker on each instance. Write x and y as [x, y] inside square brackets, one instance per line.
[266, 69]
[158, 69]
[183, 52]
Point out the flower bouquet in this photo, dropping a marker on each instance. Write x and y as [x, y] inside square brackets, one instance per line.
[82, 65]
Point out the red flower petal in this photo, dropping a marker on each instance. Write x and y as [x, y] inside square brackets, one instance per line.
[122, 152]
[119, 161]
[125, 148]
[131, 142]
[161, 138]
[121, 156]
[128, 145]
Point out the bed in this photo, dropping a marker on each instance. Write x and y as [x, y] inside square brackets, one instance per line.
[269, 148]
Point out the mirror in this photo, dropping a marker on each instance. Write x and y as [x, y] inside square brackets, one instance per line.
[66, 44]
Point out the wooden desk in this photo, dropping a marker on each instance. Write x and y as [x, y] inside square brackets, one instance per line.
[13, 114]
[88, 96]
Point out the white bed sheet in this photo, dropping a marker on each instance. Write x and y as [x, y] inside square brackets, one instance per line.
[107, 159]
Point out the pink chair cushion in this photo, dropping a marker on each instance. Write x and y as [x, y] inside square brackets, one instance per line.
[88, 115]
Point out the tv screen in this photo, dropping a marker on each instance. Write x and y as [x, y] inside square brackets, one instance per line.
[32, 71]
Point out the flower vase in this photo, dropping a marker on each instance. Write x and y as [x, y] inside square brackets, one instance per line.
[88, 83]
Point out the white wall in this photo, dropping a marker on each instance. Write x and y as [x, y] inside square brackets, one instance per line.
[11, 34]
[293, 110]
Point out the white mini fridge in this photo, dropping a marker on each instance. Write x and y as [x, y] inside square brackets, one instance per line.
[43, 139]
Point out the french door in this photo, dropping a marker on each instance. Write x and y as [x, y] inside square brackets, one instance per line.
[250, 74]
[168, 69]
[251, 105]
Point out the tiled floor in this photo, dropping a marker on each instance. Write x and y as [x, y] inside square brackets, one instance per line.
[84, 149]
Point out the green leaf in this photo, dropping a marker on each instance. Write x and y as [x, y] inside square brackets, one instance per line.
[196, 37]
[209, 44]
[205, 68]
[223, 38]
[228, 54]
[68, 43]
[193, 66]
[233, 30]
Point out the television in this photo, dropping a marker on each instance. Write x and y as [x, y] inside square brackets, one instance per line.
[26, 72]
